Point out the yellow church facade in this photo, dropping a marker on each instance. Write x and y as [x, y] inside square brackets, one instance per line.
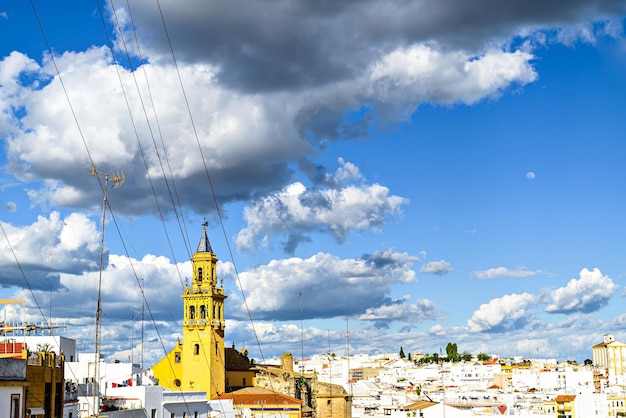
[197, 363]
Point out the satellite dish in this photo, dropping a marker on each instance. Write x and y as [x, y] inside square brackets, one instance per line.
[425, 392]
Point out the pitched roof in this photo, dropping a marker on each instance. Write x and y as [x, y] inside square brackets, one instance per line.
[565, 398]
[419, 405]
[235, 360]
[253, 394]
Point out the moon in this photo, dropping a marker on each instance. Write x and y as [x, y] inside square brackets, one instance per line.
[530, 175]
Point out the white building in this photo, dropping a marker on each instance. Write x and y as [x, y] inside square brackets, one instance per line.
[56, 344]
[12, 386]
[190, 404]
[564, 378]
[611, 356]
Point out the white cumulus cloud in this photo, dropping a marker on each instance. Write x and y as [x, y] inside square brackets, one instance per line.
[49, 246]
[297, 210]
[447, 77]
[590, 292]
[501, 314]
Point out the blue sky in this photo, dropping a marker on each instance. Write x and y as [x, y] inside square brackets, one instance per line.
[432, 171]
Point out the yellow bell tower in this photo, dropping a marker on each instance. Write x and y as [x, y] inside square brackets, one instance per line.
[203, 325]
[197, 364]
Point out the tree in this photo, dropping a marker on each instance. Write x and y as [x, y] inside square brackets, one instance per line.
[402, 352]
[425, 360]
[409, 357]
[588, 362]
[452, 351]
[483, 357]
[466, 356]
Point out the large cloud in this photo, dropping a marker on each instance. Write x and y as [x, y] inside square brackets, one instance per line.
[587, 294]
[296, 210]
[330, 286]
[161, 280]
[508, 312]
[35, 255]
[270, 45]
[74, 305]
[234, 133]
[266, 82]
[248, 141]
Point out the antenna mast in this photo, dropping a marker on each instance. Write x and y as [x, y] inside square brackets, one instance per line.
[299, 293]
[118, 179]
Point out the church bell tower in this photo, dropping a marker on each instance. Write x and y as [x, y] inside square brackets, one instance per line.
[203, 325]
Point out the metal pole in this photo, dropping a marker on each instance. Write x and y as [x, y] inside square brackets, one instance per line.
[301, 340]
[96, 398]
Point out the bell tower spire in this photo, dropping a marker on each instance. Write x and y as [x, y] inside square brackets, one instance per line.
[205, 244]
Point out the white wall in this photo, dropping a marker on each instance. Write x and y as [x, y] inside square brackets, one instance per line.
[58, 343]
[5, 398]
[190, 402]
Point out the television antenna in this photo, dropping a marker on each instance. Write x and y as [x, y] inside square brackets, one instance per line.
[13, 327]
[117, 178]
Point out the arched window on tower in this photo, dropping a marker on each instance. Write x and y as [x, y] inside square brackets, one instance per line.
[196, 349]
[199, 274]
[192, 312]
[202, 312]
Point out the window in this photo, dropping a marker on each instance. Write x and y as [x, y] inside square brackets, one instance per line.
[196, 349]
[202, 311]
[192, 312]
[47, 397]
[177, 357]
[153, 413]
[58, 400]
[244, 381]
[199, 274]
[15, 406]
[172, 415]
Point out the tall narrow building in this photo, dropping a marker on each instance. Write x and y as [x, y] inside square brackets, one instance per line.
[197, 363]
